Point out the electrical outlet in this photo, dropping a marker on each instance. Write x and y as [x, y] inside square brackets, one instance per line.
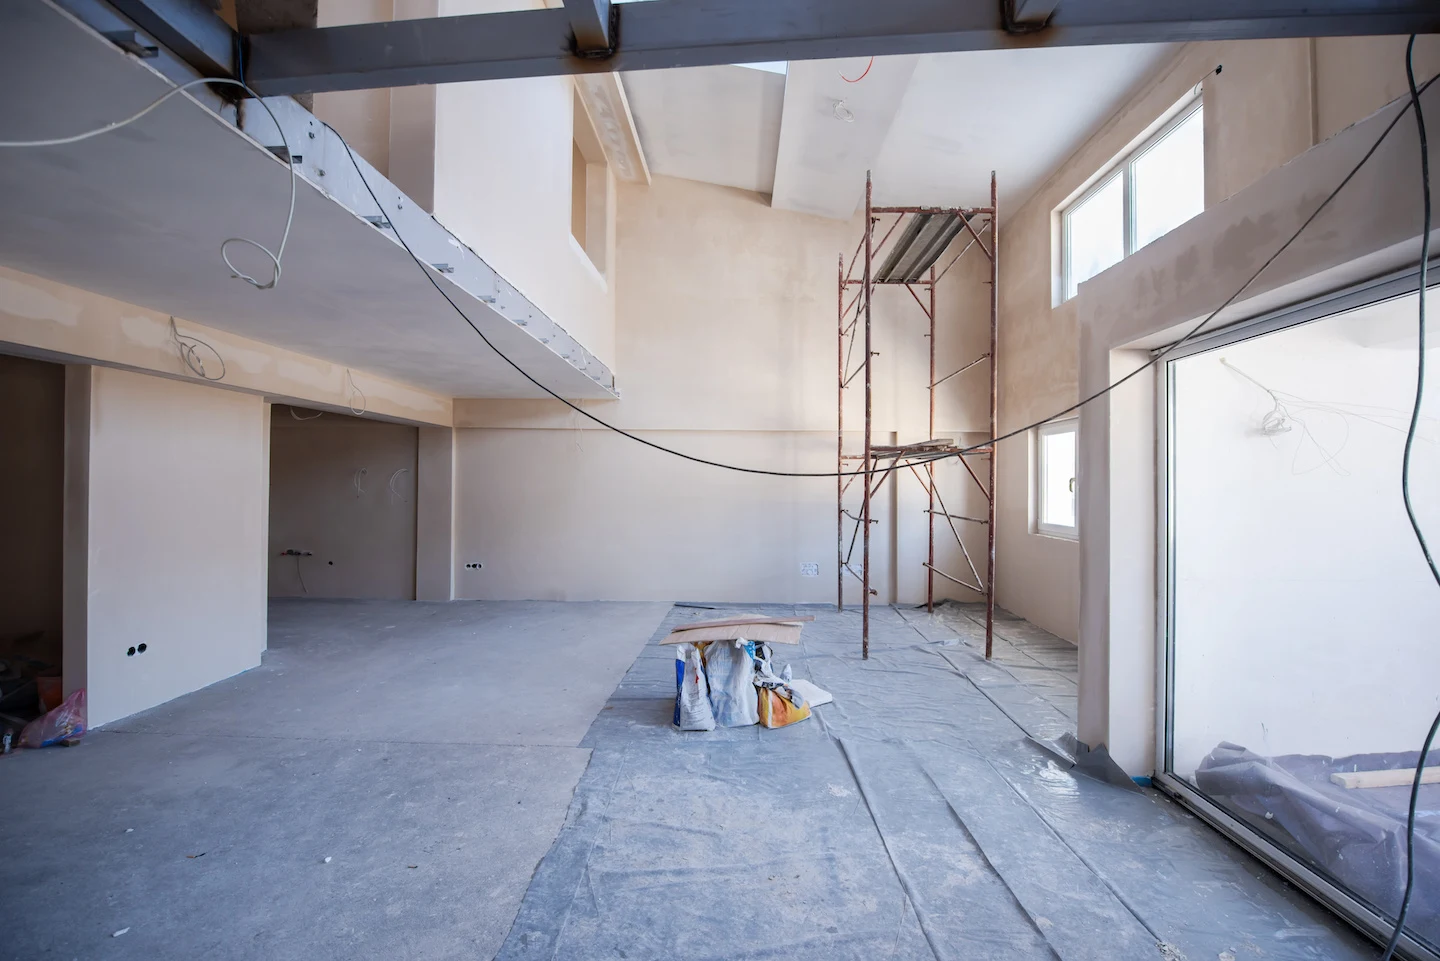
[472, 566]
[809, 570]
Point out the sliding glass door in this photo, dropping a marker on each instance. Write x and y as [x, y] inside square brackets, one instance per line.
[1301, 661]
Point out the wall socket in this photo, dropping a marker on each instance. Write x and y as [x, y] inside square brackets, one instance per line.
[472, 566]
[809, 570]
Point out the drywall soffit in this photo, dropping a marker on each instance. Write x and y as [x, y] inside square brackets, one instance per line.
[609, 110]
[139, 214]
[832, 131]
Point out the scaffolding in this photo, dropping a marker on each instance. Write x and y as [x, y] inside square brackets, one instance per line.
[910, 262]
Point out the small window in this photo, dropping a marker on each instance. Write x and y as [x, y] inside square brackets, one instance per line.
[1150, 191]
[589, 189]
[1055, 460]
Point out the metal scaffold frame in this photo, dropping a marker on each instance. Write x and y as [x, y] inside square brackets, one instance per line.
[910, 262]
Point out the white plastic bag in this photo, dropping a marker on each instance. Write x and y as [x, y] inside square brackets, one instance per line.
[692, 691]
[731, 673]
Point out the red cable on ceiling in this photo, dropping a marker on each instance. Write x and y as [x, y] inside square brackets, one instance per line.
[862, 75]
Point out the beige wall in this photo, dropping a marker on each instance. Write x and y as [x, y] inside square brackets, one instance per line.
[435, 565]
[1271, 101]
[166, 544]
[360, 530]
[361, 116]
[492, 162]
[503, 153]
[730, 341]
[32, 489]
[1371, 228]
[45, 319]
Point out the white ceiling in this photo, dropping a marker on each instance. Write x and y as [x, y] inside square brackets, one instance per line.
[716, 124]
[837, 119]
[1019, 112]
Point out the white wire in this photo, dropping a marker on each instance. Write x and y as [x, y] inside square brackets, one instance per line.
[393, 491]
[356, 479]
[186, 344]
[364, 401]
[279, 252]
[313, 416]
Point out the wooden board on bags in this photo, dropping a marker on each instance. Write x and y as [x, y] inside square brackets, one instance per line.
[749, 619]
[750, 629]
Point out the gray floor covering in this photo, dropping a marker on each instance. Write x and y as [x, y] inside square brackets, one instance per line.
[429, 750]
[926, 814]
[439, 753]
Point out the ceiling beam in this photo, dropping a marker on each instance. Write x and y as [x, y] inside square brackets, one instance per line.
[680, 33]
[190, 29]
[1031, 12]
[590, 23]
[687, 33]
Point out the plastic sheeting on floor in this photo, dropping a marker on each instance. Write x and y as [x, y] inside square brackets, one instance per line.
[930, 812]
[1355, 837]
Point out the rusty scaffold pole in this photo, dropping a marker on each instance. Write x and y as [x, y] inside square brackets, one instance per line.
[867, 290]
[994, 411]
[928, 234]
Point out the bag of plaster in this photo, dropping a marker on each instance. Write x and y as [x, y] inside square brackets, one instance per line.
[731, 672]
[780, 706]
[63, 725]
[692, 690]
[779, 703]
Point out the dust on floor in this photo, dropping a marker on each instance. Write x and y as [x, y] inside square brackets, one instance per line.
[928, 813]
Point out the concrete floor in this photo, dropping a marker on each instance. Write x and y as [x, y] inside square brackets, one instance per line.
[429, 750]
[503, 778]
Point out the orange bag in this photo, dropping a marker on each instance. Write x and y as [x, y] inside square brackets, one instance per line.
[777, 711]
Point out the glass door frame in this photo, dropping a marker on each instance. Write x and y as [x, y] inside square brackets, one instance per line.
[1359, 914]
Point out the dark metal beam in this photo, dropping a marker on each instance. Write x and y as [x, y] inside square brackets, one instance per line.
[590, 23]
[1032, 12]
[189, 29]
[683, 33]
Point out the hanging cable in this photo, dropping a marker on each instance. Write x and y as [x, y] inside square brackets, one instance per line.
[186, 344]
[393, 492]
[1151, 362]
[1405, 487]
[863, 74]
[354, 392]
[315, 416]
[279, 251]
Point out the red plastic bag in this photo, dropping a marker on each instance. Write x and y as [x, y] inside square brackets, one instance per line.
[65, 723]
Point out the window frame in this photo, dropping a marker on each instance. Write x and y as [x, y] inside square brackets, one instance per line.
[1067, 426]
[1124, 167]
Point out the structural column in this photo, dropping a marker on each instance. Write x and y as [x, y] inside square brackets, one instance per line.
[435, 515]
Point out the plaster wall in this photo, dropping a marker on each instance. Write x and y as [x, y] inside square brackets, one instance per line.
[361, 116]
[343, 488]
[32, 482]
[1270, 102]
[730, 337]
[1266, 542]
[48, 320]
[1371, 227]
[502, 183]
[492, 162]
[435, 563]
[167, 538]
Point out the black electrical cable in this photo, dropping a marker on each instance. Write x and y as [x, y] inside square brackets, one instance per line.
[1405, 486]
[1154, 359]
